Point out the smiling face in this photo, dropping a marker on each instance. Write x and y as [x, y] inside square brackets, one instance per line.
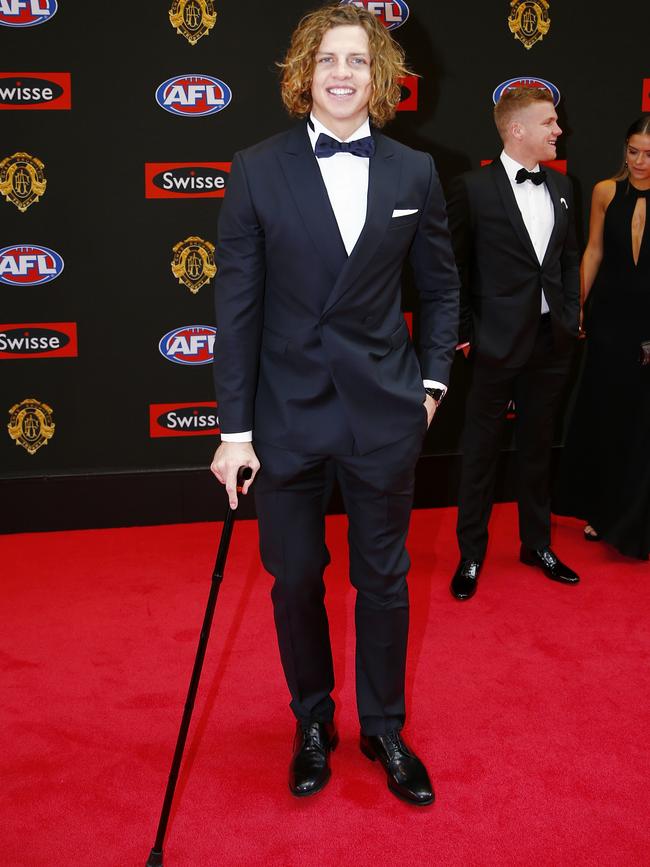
[637, 155]
[341, 86]
[536, 132]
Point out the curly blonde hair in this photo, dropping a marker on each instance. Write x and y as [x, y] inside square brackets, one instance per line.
[387, 61]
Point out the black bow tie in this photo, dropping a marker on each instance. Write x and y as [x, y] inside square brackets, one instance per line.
[326, 146]
[536, 177]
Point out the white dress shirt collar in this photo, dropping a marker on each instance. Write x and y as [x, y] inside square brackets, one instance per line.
[536, 208]
[512, 167]
[318, 128]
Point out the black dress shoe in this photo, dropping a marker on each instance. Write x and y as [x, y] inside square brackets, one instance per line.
[463, 584]
[310, 770]
[407, 776]
[546, 560]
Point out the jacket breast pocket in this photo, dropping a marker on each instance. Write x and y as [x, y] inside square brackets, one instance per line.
[408, 222]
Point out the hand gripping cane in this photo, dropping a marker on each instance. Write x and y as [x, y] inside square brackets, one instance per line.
[156, 855]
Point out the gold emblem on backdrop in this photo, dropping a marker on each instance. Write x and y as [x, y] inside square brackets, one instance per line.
[193, 264]
[192, 18]
[22, 180]
[30, 424]
[529, 20]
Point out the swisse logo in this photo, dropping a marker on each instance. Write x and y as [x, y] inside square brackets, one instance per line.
[26, 13]
[186, 180]
[35, 91]
[391, 14]
[409, 98]
[38, 340]
[193, 95]
[526, 82]
[183, 419]
[189, 344]
[29, 265]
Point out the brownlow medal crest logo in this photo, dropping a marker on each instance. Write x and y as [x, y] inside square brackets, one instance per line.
[192, 18]
[30, 424]
[22, 180]
[529, 20]
[193, 263]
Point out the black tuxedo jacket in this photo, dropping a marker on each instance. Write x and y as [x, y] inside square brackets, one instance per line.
[500, 274]
[312, 351]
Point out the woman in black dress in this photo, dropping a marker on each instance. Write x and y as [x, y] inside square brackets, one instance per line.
[605, 477]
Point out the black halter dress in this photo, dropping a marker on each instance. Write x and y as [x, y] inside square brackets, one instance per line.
[605, 475]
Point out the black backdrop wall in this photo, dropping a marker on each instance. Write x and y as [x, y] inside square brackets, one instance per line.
[134, 431]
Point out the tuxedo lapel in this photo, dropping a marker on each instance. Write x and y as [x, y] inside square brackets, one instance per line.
[557, 213]
[308, 190]
[383, 183]
[510, 205]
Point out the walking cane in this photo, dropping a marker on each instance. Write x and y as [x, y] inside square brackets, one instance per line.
[156, 855]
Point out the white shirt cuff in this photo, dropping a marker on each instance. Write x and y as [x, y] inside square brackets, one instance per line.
[433, 383]
[243, 437]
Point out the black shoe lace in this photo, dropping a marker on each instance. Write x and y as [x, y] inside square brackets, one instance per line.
[393, 744]
[311, 737]
[547, 557]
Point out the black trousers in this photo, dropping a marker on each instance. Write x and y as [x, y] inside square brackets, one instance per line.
[291, 493]
[536, 388]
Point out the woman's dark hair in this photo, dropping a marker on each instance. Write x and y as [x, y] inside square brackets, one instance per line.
[641, 126]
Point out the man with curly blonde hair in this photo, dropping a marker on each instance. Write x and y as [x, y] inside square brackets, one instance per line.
[316, 376]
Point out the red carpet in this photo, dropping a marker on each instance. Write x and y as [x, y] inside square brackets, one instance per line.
[529, 705]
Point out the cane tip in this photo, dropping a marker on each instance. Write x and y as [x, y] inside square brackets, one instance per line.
[155, 858]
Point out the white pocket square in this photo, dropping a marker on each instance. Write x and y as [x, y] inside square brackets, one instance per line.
[405, 212]
[563, 202]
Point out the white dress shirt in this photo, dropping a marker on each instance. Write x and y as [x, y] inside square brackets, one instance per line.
[536, 207]
[346, 180]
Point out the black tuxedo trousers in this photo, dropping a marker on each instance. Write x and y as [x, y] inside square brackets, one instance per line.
[291, 494]
[535, 387]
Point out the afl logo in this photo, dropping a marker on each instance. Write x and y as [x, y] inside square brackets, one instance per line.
[392, 13]
[526, 82]
[189, 344]
[193, 95]
[26, 13]
[29, 265]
